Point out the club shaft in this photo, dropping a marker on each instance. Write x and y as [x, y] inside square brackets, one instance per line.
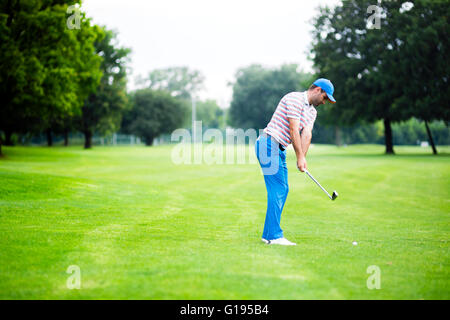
[306, 171]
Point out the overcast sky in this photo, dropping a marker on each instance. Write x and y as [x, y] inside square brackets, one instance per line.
[214, 37]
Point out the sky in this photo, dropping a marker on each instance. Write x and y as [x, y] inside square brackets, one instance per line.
[215, 37]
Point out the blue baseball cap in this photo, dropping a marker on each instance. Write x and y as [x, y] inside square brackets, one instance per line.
[326, 86]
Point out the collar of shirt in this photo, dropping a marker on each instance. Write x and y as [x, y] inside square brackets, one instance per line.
[310, 107]
[305, 94]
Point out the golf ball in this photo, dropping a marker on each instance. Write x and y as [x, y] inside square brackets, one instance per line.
[355, 243]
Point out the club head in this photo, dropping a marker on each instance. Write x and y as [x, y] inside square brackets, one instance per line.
[334, 196]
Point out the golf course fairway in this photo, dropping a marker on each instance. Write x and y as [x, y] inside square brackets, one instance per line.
[138, 226]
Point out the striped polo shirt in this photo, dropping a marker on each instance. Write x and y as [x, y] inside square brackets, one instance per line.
[293, 105]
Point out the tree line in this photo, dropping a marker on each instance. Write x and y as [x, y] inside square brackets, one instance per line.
[389, 61]
[257, 91]
[55, 80]
[389, 68]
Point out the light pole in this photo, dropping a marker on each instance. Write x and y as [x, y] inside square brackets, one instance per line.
[193, 120]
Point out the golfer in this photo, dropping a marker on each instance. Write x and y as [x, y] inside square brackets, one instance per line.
[292, 122]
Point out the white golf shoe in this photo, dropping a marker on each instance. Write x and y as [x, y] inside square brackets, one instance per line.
[280, 241]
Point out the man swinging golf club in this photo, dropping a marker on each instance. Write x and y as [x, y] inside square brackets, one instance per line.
[295, 112]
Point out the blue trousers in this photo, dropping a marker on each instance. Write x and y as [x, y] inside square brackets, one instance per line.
[273, 164]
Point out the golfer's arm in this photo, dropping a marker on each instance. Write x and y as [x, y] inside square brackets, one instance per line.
[294, 126]
[305, 137]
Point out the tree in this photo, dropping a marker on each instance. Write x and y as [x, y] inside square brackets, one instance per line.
[209, 113]
[337, 53]
[153, 113]
[102, 112]
[46, 69]
[85, 75]
[371, 64]
[257, 91]
[425, 39]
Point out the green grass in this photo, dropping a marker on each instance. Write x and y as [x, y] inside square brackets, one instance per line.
[141, 227]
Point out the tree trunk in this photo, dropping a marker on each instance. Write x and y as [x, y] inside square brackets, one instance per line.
[338, 135]
[388, 136]
[8, 140]
[430, 138]
[149, 141]
[9, 9]
[49, 138]
[66, 137]
[87, 139]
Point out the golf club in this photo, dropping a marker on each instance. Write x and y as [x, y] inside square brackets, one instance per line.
[335, 194]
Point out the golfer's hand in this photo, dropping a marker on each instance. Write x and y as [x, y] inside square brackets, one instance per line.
[301, 164]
